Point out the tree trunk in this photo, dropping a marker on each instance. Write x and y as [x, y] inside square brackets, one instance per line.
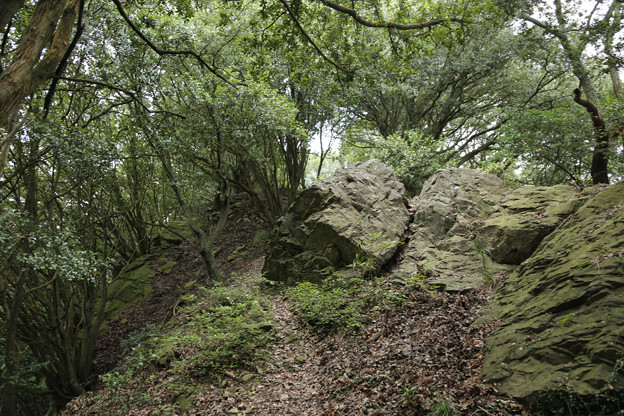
[207, 242]
[11, 352]
[612, 65]
[8, 10]
[48, 33]
[600, 160]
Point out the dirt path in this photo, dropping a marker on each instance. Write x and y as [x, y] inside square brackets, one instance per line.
[287, 384]
[406, 361]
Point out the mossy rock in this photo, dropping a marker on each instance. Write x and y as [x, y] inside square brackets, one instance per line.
[166, 265]
[526, 215]
[562, 310]
[358, 213]
[163, 352]
[132, 284]
[447, 212]
[262, 238]
[173, 234]
[186, 398]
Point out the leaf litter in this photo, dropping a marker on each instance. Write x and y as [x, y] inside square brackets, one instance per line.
[407, 360]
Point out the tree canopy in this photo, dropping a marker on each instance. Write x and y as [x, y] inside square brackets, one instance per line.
[119, 117]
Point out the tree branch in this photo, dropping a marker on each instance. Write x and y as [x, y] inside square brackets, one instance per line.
[293, 16]
[116, 88]
[597, 120]
[548, 28]
[390, 25]
[163, 52]
[63, 63]
[39, 53]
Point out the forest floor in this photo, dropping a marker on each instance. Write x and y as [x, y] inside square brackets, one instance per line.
[421, 356]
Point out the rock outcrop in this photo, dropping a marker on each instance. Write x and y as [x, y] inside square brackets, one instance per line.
[518, 224]
[562, 311]
[359, 214]
[469, 227]
[450, 207]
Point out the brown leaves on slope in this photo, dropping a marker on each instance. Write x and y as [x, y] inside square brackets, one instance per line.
[408, 360]
[411, 358]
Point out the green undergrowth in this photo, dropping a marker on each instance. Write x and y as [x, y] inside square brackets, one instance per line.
[217, 330]
[565, 402]
[226, 327]
[341, 303]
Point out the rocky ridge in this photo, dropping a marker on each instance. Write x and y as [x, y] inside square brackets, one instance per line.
[555, 256]
[561, 307]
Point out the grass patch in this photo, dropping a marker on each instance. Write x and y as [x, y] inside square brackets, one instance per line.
[218, 330]
[227, 327]
[340, 303]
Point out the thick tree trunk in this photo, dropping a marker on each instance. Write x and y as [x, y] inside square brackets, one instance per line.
[600, 160]
[50, 29]
[8, 10]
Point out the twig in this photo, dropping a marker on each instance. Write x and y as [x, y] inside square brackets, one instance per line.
[162, 52]
[117, 88]
[293, 16]
[390, 25]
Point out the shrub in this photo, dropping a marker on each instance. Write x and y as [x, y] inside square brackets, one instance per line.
[338, 303]
[228, 327]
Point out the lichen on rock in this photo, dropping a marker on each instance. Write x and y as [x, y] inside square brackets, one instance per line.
[562, 311]
[522, 219]
[359, 212]
[447, 211]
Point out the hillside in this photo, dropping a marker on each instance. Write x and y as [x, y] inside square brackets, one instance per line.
[414, 351]
[451, 303]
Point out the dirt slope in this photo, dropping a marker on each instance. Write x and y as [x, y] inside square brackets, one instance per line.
[418, 357]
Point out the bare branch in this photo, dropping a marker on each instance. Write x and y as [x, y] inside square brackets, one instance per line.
[163, 52]
[390, 25]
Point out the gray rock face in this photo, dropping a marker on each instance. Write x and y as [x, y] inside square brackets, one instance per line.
[359, 213]
[516, 227]
[448, 210]
[452, 196]
[561, 308]
[561, 311]
[469, 227]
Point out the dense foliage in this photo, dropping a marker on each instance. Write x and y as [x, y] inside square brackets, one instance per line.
[119, 117]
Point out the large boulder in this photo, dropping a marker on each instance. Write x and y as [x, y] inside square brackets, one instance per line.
[561, 311]
[359, 214]
[446, 214]
[519, 223]
[469, 227]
